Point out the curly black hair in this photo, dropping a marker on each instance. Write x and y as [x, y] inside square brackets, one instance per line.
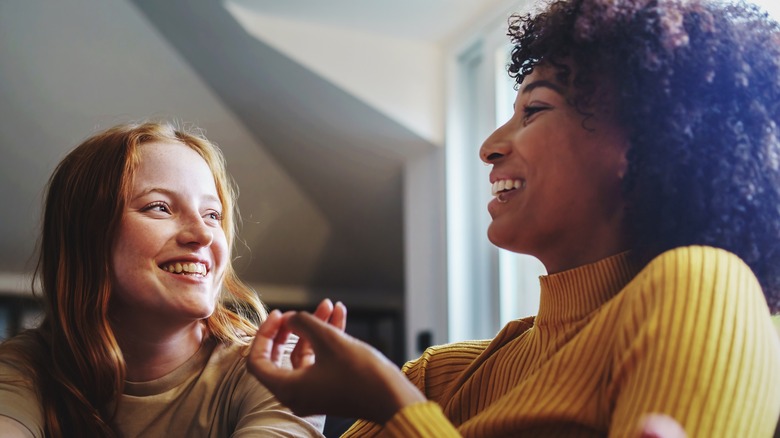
[697, 87]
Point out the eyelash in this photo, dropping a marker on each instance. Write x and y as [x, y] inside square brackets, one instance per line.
[217, 215]
[157, 204]
[529, 111]
[214, 215]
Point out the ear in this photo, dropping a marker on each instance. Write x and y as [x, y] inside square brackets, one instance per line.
[622, 158]
[623, 163]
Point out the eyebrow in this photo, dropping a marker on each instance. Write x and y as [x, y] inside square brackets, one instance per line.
[542, 83]
[171, 194]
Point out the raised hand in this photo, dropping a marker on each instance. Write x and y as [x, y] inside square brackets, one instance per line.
[335, 315]
[333, 373]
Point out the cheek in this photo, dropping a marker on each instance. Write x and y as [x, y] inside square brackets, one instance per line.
[120, 249]
[219, 248]
[121, 267]
[136, 244]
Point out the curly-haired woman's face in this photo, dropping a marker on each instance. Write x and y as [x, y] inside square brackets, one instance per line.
[170, 252]
[556, 178]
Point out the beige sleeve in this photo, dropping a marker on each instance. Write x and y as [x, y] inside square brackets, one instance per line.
[19, 401]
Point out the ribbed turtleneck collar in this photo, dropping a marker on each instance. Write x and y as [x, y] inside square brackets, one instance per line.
[573, 294]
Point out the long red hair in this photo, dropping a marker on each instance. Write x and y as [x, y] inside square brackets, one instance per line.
[73, 357]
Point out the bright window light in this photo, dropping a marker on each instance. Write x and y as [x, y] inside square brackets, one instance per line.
[771, 6]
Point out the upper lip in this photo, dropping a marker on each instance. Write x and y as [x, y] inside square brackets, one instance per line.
[499, 177]
[188, 259]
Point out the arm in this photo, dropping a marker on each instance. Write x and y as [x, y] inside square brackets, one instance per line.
[698, 346]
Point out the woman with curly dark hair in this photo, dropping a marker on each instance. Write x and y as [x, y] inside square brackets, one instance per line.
[642, 167]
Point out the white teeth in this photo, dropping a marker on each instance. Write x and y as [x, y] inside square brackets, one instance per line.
[506, 184]
[186, 268]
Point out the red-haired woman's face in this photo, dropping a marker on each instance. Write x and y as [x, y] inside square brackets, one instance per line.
[556, 177]
[170, 251]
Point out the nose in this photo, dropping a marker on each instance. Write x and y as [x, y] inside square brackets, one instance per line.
[195, 232]
[496, 146]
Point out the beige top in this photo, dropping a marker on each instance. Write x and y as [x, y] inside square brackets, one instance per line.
[210, 395]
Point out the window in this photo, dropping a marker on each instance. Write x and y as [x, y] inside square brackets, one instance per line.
[486, 286]
[518, 273]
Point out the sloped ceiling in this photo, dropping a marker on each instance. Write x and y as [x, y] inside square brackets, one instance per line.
[345, 156]
[320, 171]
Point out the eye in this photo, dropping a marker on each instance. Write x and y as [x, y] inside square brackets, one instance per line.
[530, 110]
[158, 206]
[214, 215]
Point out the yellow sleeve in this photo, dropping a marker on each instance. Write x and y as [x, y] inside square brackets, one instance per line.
[432, 373]
[696, 343]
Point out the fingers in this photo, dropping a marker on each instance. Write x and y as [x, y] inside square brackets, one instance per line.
[260, 359]
[302, 354]
[324, 309]
[271, 337]
[338, 317]
[335, 315]
[319, 334]
[280, 340]
[660, 426]
[266, 333]
[278, 328]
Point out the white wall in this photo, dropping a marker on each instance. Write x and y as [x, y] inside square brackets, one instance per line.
[401, 78]
[72, 67]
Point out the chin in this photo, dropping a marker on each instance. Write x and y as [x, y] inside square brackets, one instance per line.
[496, 239]
[206, 313]
[509, 241]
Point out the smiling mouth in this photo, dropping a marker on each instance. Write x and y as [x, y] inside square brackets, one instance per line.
[502, 187]
[197, 269]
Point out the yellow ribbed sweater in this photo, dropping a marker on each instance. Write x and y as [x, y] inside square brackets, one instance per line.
[689, 335]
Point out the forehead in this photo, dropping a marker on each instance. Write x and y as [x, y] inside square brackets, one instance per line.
[172, 164]
[556, 77]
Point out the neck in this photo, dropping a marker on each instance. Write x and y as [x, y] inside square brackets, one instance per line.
[152, 353]
[587, 244]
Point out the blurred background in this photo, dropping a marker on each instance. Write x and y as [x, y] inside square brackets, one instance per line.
[350, 126]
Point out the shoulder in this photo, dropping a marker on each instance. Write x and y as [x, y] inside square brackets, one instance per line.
[694, 293]
[696, 275]
[690, 260]
[693, 332]
[18, 397]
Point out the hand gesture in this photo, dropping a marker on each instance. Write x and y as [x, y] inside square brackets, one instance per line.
[333, 373]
